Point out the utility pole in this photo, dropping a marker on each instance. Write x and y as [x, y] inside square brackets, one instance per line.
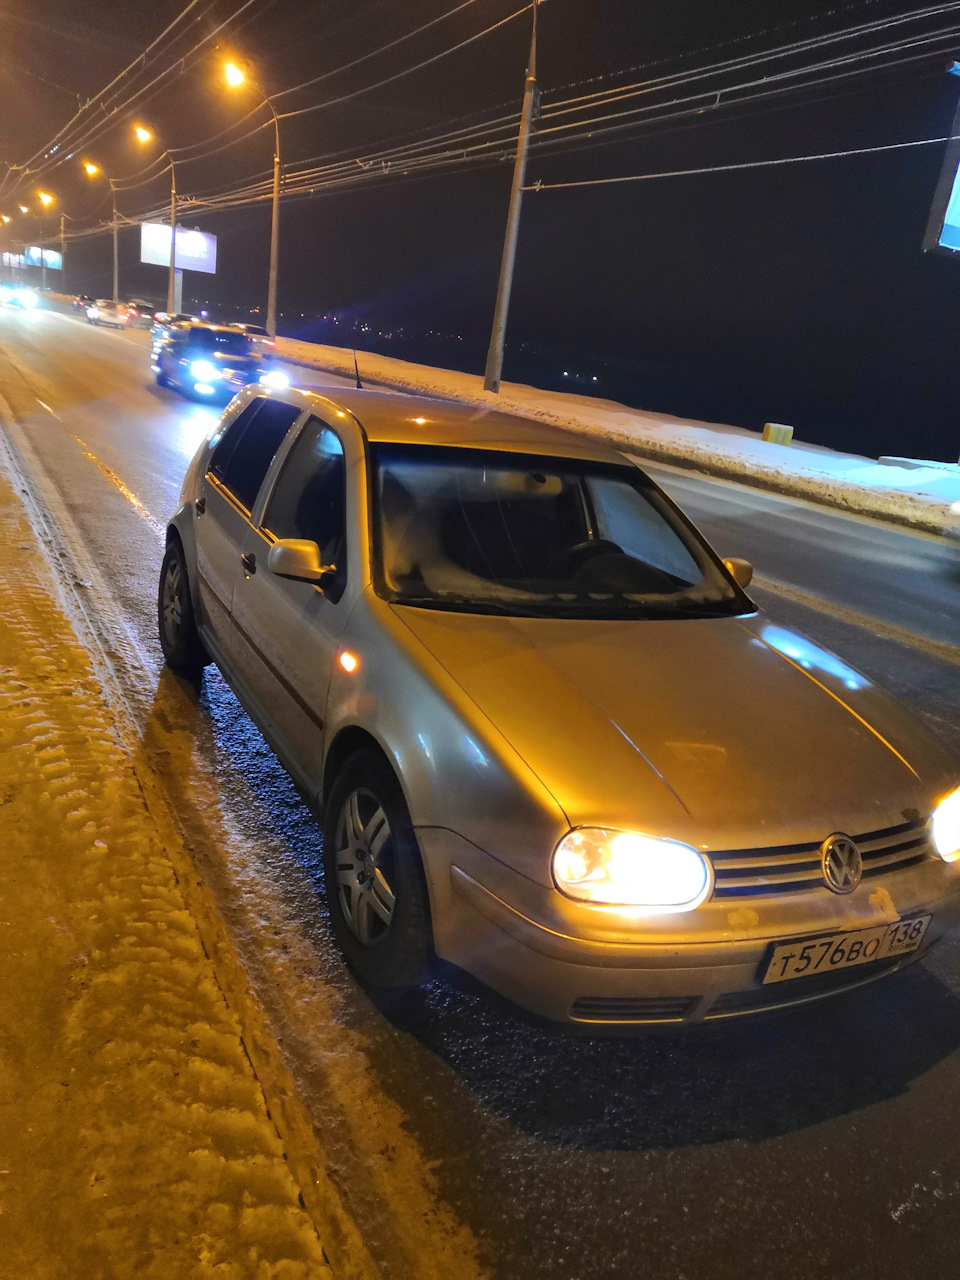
[116, 261]
[531, 96]
[63, 256]
[173, 238]
[271, 325]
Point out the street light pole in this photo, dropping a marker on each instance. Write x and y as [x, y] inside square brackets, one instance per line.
[271, 325]
[531, 94]
[63, 255]
[235, 77]
[116, 259]
[171, 275]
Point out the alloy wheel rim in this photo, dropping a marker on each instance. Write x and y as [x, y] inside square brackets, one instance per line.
[365, 867]
[172, 612]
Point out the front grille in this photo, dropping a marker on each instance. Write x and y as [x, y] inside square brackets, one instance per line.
[632, 1008]
[757, 999]
[751, 873]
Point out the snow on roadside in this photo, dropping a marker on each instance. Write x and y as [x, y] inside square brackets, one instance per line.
[918, 497]
[135, 1136]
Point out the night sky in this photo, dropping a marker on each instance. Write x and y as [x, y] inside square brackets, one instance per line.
[797, 294]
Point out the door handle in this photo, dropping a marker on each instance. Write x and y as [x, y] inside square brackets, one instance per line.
[201, 506]
[249, 562]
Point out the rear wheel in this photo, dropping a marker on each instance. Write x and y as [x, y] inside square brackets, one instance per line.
[376, 889]
[182, 647]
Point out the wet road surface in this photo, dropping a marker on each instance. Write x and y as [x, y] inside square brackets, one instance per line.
[466, 1138]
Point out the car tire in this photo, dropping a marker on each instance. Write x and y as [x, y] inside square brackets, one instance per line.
[376, 888]
[183, 650]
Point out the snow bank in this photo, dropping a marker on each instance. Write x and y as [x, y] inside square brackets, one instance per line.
[920, 497]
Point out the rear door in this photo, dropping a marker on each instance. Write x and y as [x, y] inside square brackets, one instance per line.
[228, 491]
[291, 630]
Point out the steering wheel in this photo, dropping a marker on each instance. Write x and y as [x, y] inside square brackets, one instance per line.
[572, 558]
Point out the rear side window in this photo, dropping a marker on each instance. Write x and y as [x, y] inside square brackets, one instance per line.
[243, 456]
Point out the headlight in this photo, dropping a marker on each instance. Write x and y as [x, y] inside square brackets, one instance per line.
[279, 381]
[623, 868]
[946, 827]
[204, 371]
[26, 297]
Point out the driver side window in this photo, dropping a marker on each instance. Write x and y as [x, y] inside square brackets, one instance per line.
[309, 499]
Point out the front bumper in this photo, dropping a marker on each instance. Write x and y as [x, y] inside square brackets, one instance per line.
[510, 937]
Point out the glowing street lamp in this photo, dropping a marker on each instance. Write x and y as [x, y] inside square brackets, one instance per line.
[235, 77]
[45, 198]
[4, 218]
[90, 169]
[24, 209]
[143, 135]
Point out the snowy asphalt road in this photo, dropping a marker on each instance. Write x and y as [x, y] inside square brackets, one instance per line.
[465, 1139]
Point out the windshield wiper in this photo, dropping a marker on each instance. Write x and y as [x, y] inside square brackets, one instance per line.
[472, 604]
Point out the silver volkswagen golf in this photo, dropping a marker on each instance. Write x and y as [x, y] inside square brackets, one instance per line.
[551, 738]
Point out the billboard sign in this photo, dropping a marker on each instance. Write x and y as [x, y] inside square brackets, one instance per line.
[943, 229]
[196, 251]
[31, 258]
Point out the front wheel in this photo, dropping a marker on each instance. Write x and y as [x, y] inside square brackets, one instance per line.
[376, 889]
[182, 647]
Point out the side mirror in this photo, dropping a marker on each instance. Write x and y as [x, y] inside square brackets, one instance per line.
[741, 571]
[298, 560]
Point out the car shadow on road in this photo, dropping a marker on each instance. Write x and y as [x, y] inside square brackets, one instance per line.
[746, 1078]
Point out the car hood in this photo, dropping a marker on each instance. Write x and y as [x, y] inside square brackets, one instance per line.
[726, 733]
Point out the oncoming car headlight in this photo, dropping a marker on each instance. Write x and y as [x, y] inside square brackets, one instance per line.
[275, 379]
[626, 869]
[204, 371]
[946, 827]
[26, 297]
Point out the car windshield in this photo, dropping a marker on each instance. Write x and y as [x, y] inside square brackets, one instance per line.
[493, 532]
[218, 340]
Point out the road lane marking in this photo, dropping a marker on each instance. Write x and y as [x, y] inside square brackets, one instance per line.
[158, 528]
[887, 630]
[122, 488]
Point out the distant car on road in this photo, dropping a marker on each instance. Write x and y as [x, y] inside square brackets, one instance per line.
[259, 335]
[82, 301]
[212, 361]
[143, 313]
[552, 739]
[105, 311]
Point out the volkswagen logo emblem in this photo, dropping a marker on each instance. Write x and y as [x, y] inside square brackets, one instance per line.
[841, 863]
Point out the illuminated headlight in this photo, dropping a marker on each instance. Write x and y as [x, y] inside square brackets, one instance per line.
[946, 827]
[275, 379]
[26, 297]
[204, 371]
[623, 868]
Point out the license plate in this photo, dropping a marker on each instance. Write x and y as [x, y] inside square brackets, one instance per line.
[845, 950]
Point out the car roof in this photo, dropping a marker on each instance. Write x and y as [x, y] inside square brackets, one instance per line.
[213, 327]
[387, 417]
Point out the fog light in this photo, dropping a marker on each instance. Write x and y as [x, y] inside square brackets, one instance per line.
[946, 827]
[203, 388]
[624, 868]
